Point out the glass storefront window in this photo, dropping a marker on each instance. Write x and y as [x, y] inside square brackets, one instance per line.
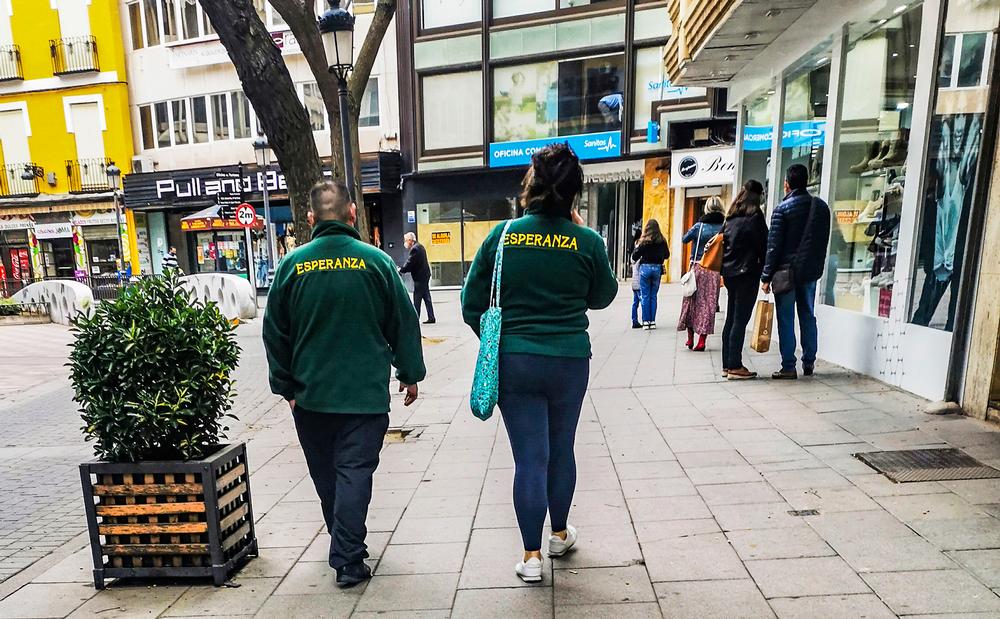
[807, 95]
[221, 252]
[452, 233]
[867, 196]
[950, 172]
[549, 99]
[758, 133]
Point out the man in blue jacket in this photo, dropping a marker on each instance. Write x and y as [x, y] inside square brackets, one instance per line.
[798, 240]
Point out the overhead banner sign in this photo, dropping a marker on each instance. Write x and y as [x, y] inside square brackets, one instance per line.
[14, 222]
[703, 167]
[54, 231]
[795, 134]
[207, 53]
[587, 146]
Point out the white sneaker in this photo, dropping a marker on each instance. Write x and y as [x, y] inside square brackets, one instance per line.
[558, 547]
[530, 571]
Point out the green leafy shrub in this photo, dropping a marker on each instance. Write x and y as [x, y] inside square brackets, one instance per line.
[9, 307]
[152, 373]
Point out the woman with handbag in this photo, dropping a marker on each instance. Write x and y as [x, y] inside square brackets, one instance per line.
[544, 271]
[650, 252]
[744, 238]
[698, 310]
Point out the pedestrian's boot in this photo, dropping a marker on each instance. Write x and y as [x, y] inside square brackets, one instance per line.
[353, 574]
[785, 375]
[430, 321]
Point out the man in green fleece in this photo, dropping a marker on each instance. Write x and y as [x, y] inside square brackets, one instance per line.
[337, 317]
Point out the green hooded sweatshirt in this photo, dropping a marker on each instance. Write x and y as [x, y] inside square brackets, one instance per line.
[553, 272]
[337, 316]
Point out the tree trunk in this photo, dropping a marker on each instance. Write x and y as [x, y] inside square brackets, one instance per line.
[269, 86]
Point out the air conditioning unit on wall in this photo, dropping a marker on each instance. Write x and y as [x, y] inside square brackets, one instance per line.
[142, 165]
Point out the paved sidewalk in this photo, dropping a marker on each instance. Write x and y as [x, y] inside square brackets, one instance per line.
[686, 502]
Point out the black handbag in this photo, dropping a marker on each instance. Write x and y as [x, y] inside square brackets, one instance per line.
[783, 279]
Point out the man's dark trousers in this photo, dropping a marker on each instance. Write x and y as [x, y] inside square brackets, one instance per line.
[422, 292]
[342, 452]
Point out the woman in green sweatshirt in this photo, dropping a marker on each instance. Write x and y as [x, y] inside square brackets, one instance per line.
[554, 270]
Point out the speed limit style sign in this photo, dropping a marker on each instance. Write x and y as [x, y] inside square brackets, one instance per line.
[246, 215]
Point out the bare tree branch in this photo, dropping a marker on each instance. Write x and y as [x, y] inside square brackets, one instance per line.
[365, 61]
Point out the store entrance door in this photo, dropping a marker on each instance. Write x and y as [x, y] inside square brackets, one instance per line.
[614, 210]
[694, 208]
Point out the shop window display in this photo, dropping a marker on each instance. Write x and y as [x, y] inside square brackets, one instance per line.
[807, 95]
[877, 102]
[758, 133]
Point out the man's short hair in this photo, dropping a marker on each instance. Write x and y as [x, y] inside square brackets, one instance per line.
[797, 176]
[330, 201]
[409, 236]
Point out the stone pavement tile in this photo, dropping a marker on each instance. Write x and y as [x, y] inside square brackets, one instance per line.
[909, 439]
[311, 578]
[682, 446]
[678, 417]
[272, 562]
[797, 464]
[496, 516]
[456, 487]
[319, 549]
[403, 614]
[833, 435]
[639, 610]
[861, 605]
[663, 469]
[960, 534]
[408, 593]
[929, 507]
[696, 459]
[503, 603]
[129, 601]
[597, 479]
[772, 451]
[984, 564]
[745, 437]
[208, 601]
[877, 485]
[789, 543]
[318, 606]
[432, 530]
[941, 591]
[596, 507]
[390, 498]
[806, 478]
[383, 518]
[755, 516]
[455, 470]
[45, 600]
[292, 511]
[603, 546]
[722, 599]
[602, 585]
[421, 559]
[393, 481]
[78, 567]
[732, 474]
[827, 500]
[652, 488]
[688, 550]
[668, 508]
[489, 561]
[976, 491]
[498, 486]
[837, 404]
[802, 577]
[442, 507]
[737, 494]
[874, 553]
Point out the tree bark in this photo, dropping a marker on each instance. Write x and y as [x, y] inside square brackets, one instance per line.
[269, 86]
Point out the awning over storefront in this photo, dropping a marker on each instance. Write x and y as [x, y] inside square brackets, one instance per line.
[208, 219]
[194, 188]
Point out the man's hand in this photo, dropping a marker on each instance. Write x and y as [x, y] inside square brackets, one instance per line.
[291, 404]
[411, 393]
[766, 287]
[577, 218]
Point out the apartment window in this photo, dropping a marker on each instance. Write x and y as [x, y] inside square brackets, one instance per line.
[220, 117]
[369, 105]
[146, 123]
[206, 24]
[189, 14]
[511, 8]
[443, 13]
[168, 20]
[445, 125]
[179, 110]
[241, 115]
[199, 120]
[963, 60]
[312, 99]
[135, 25]
[568, 4]
[162, 125]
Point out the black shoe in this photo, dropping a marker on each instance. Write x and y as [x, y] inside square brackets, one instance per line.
[785, 375]
[430, 321]
[807, 370]
[353, 574]
[636, 325]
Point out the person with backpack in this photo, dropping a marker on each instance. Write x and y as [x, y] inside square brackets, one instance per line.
[796, 256]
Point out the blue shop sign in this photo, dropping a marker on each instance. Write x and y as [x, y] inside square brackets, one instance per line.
[587, 146]
[795, 134]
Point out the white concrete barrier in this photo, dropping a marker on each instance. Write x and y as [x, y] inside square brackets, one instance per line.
[65, 298]
[234, 295]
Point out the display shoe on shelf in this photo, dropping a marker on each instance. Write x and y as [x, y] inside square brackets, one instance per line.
[862, 166]
[869, 213]
[878, 162]
[896, 155]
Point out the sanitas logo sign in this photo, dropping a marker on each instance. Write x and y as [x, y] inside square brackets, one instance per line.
[588, 146]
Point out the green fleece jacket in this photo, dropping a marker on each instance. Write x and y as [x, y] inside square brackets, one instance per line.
[337, 317]
[553, 272]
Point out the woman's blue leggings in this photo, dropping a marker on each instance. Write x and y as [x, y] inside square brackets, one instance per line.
[540, 400]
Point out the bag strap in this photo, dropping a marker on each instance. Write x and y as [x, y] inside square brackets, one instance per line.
[498, 267]
[694, 251]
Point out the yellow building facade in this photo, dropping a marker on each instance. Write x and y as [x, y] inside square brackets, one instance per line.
[64, 120]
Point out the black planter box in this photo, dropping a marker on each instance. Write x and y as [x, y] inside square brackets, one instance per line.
[170, 519]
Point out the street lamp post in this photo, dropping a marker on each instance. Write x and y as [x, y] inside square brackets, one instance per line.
[262, 151]
[115, 182]
[336, 26]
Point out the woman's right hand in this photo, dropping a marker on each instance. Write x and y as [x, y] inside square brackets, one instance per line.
[577, 218]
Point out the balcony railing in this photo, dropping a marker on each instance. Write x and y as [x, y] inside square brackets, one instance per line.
[12, 185]
[74, 55]
[88, 175]
[10, 63]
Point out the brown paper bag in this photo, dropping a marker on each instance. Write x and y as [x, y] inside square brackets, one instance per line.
[763, 322]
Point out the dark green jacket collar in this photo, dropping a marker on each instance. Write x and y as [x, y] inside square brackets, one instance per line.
[334, 228]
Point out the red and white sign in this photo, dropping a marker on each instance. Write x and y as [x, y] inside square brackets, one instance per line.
[246, 215]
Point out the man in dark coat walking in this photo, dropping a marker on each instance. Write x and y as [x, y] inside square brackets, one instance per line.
[418, 267]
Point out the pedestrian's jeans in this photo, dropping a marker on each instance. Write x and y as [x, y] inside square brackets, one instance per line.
[422, 292]
[342, 453]
[741, 293]
[636, 300]
[540, 401]
[649, 286]
[801, 301]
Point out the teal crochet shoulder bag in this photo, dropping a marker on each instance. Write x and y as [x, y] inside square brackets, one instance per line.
[486, 382]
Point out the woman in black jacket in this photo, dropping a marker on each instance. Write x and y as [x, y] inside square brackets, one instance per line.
[651, 252]
[744, 248]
